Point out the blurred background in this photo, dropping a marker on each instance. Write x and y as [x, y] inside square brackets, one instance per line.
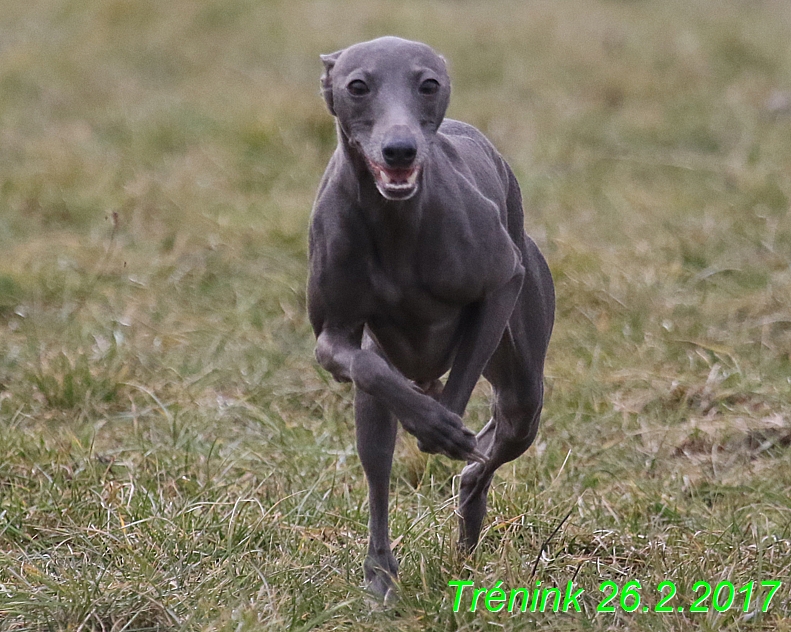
[170, 455]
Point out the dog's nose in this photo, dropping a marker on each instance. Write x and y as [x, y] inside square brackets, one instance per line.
[399, 153]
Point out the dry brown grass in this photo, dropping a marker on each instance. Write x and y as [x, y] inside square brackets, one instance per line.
[170, 456]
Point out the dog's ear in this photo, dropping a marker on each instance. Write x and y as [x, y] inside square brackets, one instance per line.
[326, 78]
[446, 92]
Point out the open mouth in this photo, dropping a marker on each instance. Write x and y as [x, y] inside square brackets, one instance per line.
[395, 184]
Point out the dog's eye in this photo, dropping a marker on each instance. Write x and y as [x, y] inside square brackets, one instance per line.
[358, 88]
[429, 86]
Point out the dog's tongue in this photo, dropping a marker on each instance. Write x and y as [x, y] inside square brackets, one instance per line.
[399, 176]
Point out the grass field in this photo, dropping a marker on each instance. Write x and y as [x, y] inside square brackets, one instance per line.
[171, 457]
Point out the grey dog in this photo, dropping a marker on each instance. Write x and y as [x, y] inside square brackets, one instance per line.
[419, 264]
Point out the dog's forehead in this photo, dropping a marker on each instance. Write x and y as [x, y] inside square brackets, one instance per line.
[389, 54]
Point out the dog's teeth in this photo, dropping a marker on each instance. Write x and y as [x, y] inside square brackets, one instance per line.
[394, 183]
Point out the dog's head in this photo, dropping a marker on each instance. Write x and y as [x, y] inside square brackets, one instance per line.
[389, 96]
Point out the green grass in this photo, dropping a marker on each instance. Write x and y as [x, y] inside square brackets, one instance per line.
[171, 458]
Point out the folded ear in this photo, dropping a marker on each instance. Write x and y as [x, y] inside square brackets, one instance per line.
[326, 78]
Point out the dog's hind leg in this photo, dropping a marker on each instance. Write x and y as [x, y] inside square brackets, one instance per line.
[376, 430]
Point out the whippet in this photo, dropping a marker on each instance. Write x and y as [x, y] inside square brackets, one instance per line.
[419, 264]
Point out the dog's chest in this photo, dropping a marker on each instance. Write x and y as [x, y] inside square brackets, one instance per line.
[424, 284]
[415, 329]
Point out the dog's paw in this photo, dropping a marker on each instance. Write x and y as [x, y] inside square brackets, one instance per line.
[443, 432]
[381, 577]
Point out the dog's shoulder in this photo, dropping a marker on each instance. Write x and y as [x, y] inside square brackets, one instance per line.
[335, 228]
[468, 137]
[453, 128]
[468, 149]
[338, 270]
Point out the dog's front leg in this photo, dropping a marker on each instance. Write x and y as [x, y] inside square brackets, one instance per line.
[381, 395]
[376, 435]
[438, 429]
[479, 340]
